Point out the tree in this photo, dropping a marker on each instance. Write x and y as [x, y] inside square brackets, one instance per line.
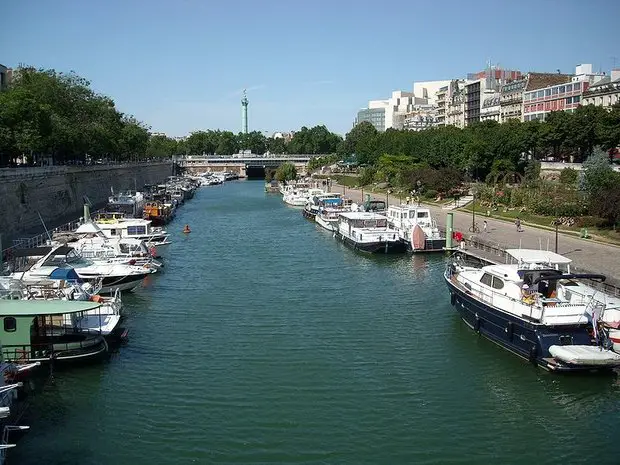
[227, 144]
[276, 145]
[362, 140]
[286, 172]
[599, 175]
[162, 146]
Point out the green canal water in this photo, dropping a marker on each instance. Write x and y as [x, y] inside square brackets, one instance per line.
[267, 341]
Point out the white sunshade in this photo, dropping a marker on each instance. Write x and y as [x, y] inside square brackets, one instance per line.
[538, 256]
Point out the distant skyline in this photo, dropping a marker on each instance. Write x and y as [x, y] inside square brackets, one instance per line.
[182, 66]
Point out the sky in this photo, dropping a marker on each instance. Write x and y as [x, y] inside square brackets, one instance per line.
[180, 66]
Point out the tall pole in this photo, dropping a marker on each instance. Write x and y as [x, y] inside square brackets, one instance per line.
[473, 215]
[244, 113]
[556, 235]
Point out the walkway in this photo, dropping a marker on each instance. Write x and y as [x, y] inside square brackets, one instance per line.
[588, 256]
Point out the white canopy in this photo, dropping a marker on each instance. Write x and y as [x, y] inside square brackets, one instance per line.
[88, 228]
[538, 256]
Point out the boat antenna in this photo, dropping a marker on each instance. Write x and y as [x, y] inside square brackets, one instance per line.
[44, 227]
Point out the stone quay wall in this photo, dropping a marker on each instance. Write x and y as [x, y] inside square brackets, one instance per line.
[57, 193]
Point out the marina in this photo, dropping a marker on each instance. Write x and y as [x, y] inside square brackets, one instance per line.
[281, 344]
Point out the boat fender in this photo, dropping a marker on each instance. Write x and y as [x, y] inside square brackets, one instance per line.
[453, 298]
[477, 324]
[510, 330]
[533, 354]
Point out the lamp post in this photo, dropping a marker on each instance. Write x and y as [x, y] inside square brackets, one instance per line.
[387, 197]
[473, 214]
[556, 235]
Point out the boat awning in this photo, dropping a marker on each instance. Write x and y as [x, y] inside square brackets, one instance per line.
[538, 256]
[68, 274]
[31, 252]
[44, 307]
[88, 228]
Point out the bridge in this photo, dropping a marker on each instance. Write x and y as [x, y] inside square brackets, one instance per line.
[245, 165]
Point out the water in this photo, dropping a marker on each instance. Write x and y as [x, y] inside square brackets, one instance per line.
[267, 341]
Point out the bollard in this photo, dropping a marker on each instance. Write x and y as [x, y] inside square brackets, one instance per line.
[449, 230]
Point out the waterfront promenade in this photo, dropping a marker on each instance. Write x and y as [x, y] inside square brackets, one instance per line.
[586, 254]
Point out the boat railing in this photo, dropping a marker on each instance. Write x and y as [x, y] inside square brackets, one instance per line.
[499, 251]
[23, 353]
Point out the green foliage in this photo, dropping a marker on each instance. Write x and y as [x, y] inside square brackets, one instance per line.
[286, 172]
[316, 140]
[318, 162]
[569, 176]
[46, 113]
[161, 146]
[598, 173]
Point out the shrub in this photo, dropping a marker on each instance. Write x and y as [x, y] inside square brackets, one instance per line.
[569, 176]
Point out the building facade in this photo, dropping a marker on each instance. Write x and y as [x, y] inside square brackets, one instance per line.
[537, 104]
[473, 91]
[605, 92]
[427, 90]
[374, 116]
[512, 92]
[455, 104]
[441, 102]
[421, 117]
[5, 76]
[490, 110]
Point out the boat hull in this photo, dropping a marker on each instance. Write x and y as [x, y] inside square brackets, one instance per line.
[430, 246]
[308, 214]
[528, 340]
[378, 247]
[329, 225]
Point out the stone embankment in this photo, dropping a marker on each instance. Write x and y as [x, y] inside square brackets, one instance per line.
[57, 193]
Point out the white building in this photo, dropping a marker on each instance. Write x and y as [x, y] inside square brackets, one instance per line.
[491, 106]
[395, 109]
[428, 89]
[605, 93]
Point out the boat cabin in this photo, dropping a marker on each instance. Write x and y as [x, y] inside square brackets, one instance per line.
[363, 220]
[129, 228]
[36, 330]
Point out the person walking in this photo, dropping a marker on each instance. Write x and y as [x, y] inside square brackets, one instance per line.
[518, 223]
[484, 226]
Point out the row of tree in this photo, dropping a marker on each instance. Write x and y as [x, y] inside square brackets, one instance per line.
[57, 115]
[489, 147]
[45, 114]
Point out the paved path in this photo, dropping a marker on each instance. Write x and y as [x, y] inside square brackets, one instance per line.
[587, 255]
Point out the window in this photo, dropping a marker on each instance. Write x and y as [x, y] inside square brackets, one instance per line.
[576, 99]
[10, 324]
[555, 90]
[422, 214]
[562, 89]
[486, 279]
[497, 283]
[547, 92]
[569, 100]
[112, 232]
[541, 93]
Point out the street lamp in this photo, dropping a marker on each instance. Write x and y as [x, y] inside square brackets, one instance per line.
[473, 214]
[556, 235]
[387, 198]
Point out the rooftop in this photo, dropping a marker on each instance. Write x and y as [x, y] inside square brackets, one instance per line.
[44, 307]
[537, 256]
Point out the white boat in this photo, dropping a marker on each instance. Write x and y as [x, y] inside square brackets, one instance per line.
[68, 286]
[130, 203]
[136, 229]
[92, 244]
[527, 308]
[368, 232]
[416, 228]
[329, 210]
[39, 263]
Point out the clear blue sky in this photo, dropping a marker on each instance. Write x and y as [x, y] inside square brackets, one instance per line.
[180, 65]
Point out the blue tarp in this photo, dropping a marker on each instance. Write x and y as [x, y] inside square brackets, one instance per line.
[332, 201]
[68, 274]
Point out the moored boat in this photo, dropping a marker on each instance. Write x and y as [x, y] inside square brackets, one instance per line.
[525, 309]
[368, 232]
[416, 228]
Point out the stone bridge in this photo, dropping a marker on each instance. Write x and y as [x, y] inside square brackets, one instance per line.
[245, 165]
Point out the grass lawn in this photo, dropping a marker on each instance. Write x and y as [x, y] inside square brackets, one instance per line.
[544, 222]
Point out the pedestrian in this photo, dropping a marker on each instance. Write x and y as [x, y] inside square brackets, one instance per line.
[408, 200]
[518, 223]
[484, 226]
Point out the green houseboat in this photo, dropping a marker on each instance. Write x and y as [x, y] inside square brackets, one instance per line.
[35, 331]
